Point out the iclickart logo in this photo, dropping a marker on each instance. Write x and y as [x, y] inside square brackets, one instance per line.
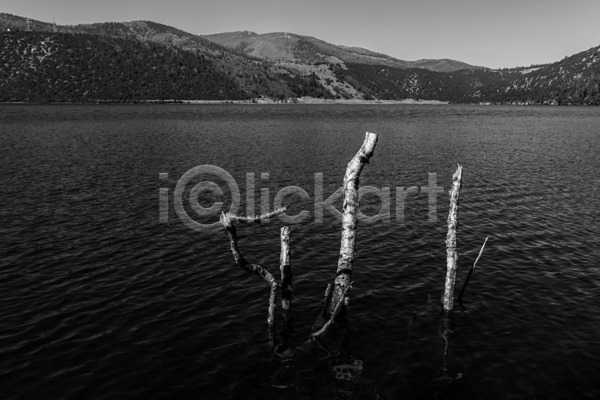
[184, 193]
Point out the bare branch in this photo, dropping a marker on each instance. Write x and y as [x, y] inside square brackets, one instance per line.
[228, 221]
[258, 219]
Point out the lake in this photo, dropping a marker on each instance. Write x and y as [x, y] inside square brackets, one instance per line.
[107, 293]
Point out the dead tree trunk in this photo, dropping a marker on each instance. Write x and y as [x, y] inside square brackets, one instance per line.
[342, 282]
[286, 273]
[451, 254]
[336, 296]
[285, 349]
[343, 278]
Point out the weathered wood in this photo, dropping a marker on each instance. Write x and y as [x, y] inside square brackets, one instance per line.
[471, 271]
[228, 221]
[343, 277]
[451, 254]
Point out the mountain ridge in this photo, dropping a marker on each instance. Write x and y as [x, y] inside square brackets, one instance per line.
[291, 47]
[284, 66]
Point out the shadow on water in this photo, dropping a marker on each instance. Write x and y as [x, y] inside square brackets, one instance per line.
[326, 367]
[330, 367]
[431, 336]
[449, 381]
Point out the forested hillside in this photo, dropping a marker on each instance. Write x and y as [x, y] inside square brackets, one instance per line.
[575, 80]
[572, 81]
[60, 67]
[398, 83]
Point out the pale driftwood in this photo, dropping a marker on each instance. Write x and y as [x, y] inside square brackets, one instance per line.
[286, 272]
[343, 277]
[471, 271]
[228, 221]
[451, 254]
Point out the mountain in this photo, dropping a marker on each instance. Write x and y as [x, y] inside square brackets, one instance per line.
[442, 65]
[143, 60]
[574, 80]
[292, 48]
[254, 78]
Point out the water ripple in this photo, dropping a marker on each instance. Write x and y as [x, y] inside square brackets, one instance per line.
[99, 300]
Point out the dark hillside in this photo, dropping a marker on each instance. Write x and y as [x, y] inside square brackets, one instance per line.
[64, 67]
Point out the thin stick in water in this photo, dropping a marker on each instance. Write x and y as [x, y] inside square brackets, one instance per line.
[459, 301]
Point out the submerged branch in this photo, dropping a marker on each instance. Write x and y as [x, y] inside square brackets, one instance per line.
[335, 312]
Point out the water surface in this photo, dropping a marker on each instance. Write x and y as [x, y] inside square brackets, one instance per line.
[100, 300]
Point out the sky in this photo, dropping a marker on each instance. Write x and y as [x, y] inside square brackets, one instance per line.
[489, 33]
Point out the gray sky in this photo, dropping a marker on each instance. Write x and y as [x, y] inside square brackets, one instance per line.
[498, 33]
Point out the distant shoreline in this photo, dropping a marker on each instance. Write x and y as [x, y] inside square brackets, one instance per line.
[303, 100]
[312, 100]
[293, 100]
